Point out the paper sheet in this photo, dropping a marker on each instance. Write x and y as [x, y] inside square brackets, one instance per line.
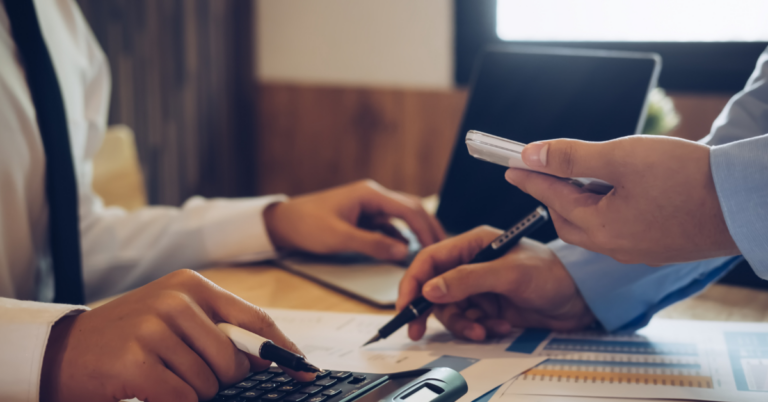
[334, 340]
[672, 359]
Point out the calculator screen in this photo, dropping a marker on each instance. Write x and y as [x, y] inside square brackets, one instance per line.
[392, 385]
[422, 395]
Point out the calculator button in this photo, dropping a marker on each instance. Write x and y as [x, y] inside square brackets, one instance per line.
[318, 398]
[311, 390]
[250, 395]
[231, 391]
[272, 396]
[282, 379]
[326, 382]
[340, 374]
[297, 397]
[275, 370]
[357, 379]
[331, 392]
[267, 385]
[247, 384]
[262, 377]
[289, 387]
[322, 374]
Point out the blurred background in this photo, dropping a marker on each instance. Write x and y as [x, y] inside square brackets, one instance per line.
[243, 97]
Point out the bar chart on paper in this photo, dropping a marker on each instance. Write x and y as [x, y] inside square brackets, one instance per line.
[627, 362]
[669, 359]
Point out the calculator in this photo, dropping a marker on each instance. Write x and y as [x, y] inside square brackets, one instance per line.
[437, 384]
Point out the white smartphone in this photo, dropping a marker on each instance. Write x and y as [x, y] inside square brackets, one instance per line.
[508, 153]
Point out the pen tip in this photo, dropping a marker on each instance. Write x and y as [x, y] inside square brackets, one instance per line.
[372, 340]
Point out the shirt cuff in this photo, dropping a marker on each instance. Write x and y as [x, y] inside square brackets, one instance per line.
[739, 172]
[625, 297]
[26, 326]
[235, 230]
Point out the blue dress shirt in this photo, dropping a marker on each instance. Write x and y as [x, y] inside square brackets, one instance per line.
[624, 297]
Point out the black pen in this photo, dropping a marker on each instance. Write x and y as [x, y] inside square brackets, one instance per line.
[256, 345]
[498, 247]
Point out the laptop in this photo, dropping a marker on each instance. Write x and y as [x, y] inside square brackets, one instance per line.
[526, 94]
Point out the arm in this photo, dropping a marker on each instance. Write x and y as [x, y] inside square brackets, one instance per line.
[625, 297]
[739, 162]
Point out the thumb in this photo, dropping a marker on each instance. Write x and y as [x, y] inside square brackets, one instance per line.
[570, 158]
[375, 244]
[461, 283]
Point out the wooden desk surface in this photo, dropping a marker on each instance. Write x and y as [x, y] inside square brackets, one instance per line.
[268, 286]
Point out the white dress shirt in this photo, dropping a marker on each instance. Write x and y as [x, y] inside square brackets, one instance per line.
[120, 250]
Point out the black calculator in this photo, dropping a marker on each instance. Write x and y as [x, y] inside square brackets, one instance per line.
[438, 384]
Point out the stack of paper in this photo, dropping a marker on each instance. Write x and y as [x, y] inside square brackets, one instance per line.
[669, 359]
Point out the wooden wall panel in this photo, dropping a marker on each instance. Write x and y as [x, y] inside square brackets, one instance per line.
[182, 72]
[313, 137]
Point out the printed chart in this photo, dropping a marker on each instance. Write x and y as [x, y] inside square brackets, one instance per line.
[668, 359]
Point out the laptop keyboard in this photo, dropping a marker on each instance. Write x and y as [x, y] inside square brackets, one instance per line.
[273, 385]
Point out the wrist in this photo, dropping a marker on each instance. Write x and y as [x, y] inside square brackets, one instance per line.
[273, 222]
[50, 377]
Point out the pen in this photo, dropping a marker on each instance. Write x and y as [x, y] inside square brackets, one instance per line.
[498, 247]
[254, 344]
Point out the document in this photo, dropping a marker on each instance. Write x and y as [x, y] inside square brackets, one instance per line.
[334, 341]
[669, 359]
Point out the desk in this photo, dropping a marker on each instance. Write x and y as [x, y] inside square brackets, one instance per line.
[268, 286]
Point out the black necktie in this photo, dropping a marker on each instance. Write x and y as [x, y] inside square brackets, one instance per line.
[60, 182]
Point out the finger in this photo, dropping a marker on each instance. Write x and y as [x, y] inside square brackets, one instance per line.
[441, 257]
[495, 326]
[381, 200]
[487, 303]
[437, 229]
[187, 365]
[572, 158]
[458, 324]
[575, 204]
[418, 327]
[374, 244]
[384, 226]
[196, 329]
[161, 385]
[229, 308]
[469, 280]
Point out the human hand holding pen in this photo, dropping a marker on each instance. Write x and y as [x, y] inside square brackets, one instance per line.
[158, 342]
[527, 287]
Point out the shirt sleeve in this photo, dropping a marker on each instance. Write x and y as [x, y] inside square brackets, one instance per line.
[24, 330]
[123, 250]
[624, 297]
[739, 163]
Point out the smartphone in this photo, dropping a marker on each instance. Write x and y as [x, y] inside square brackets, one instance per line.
[508, 153]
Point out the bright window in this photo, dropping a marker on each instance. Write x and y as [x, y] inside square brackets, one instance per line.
[632, 21]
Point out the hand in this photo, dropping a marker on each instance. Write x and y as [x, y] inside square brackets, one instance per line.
[528, 287]
[663, 208]
[353, 217]
[156, 343]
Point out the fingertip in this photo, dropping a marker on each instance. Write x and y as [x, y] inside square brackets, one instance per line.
[474, 332]
[416, 330]
[398, 252]
[535, 155]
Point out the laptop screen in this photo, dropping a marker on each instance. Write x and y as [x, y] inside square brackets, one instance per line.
[530, 94]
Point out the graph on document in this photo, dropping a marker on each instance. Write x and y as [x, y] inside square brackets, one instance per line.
[670, 359]
[621, 362]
